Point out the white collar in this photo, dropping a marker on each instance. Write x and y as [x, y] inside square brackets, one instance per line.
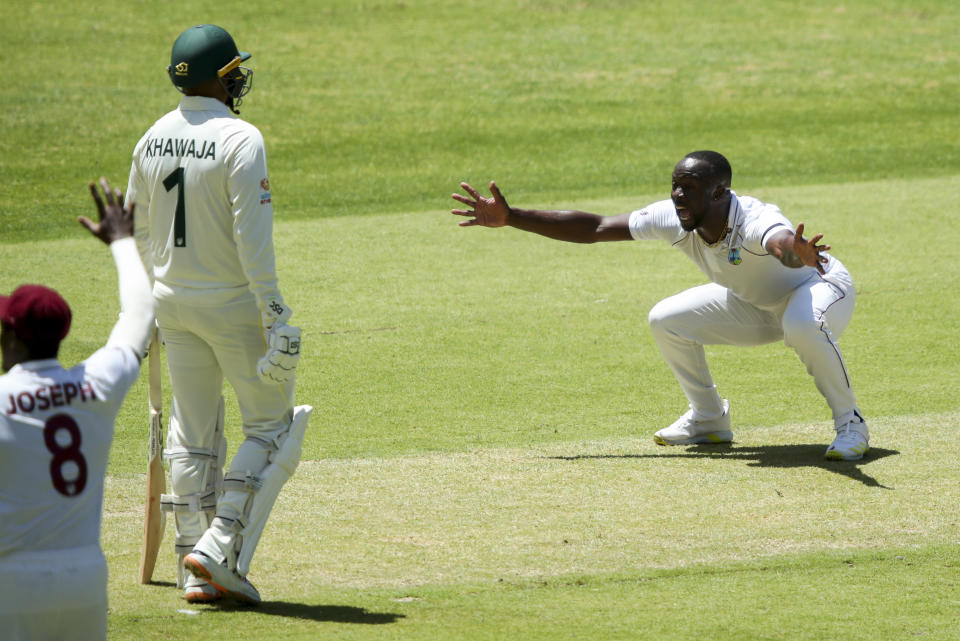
[37, 365]
[735, 222]
[202, 103]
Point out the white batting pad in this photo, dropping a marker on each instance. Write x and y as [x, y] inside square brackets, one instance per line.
[274, 476]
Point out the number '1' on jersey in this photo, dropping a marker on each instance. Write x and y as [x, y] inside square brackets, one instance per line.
[204, 208]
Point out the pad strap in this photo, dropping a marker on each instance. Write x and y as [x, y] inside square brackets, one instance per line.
[241, 482]
[172, 453]
[197, 502]
[183, 544]
[232, 521]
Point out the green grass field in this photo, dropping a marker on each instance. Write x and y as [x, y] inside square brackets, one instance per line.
[480, 462]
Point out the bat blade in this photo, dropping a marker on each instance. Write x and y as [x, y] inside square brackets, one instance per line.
[153, 522]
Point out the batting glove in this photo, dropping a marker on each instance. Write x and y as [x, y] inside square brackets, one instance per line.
[274, 312]
[283, 353]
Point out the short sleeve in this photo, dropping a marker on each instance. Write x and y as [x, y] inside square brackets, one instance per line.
[763, 219]
[657, 221]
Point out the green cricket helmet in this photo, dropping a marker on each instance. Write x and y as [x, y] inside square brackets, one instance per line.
[207, 52]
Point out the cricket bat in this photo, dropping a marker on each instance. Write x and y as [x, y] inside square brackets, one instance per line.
[153, 521]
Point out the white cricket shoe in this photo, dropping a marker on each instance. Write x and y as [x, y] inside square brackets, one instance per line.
[199, 591]
[851, 443]
[227, 581]
[687, 431]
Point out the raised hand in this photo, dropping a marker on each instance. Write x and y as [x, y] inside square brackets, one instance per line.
[486, 212]
[115, 221]
[808, 251]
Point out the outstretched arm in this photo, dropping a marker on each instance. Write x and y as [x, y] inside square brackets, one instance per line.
[793, 250]
[115, 228]
[569, 226]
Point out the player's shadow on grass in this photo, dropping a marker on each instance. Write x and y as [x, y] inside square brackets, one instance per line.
[765, 456]
[324, 613]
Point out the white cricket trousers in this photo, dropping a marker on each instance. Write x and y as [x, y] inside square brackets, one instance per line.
[204, 344]
[810, 320]
[54, 595]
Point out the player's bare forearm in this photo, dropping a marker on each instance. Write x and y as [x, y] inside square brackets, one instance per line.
[569, 226]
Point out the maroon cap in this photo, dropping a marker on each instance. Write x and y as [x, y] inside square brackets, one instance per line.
[36, 313]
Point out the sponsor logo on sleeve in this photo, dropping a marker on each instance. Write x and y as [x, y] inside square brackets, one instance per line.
[265, 196]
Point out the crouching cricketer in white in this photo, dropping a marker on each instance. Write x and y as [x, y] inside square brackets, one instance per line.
[199, 177]
[55, 435]
[769, 283]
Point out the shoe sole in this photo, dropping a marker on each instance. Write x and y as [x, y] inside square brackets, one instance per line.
[836, 455]
[202, 597]
[197, 569]
[707, 437]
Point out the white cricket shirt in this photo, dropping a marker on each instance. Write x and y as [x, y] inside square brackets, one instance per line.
[759, 278]
[204, 211]
[56, 426]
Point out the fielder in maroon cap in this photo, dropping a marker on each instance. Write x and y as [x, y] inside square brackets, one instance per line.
[56, 426]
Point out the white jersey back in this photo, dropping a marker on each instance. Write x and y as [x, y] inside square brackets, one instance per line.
[205, 213]
[55, 433]
[740, 262]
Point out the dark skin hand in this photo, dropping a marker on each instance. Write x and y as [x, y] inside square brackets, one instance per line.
[487, 212]
[793, 250]
[115, 221]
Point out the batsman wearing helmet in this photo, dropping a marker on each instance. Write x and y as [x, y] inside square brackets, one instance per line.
[199, 178]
